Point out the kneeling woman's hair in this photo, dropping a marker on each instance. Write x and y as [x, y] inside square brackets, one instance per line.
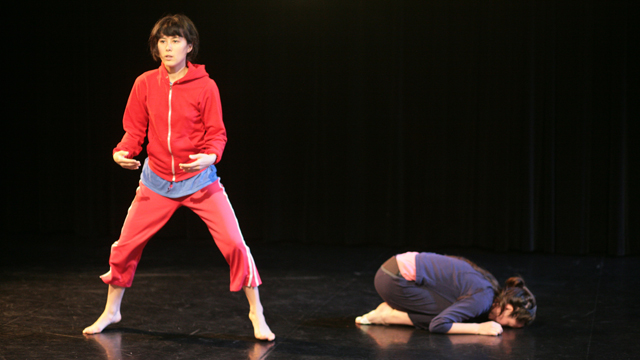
[516, 294]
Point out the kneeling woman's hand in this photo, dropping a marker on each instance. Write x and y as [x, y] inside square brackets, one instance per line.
[489, 328]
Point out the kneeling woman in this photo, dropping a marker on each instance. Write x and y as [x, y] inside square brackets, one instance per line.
[447, 294]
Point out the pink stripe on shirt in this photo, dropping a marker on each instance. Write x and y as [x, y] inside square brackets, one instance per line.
[407, 265]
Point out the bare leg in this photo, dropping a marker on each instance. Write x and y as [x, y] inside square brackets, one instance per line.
[385, 315]
[260, 328]
[111, 314]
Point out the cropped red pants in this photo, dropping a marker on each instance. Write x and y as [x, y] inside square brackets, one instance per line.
[149, 212]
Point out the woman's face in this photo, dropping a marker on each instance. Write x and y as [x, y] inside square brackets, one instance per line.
[173, 51]
[504, 318]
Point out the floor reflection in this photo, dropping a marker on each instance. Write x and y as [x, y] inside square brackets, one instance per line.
[259, 349]
[111, 343]
[502, 345]
[386, 336]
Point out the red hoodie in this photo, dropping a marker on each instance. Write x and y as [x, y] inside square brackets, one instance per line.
[183, 119]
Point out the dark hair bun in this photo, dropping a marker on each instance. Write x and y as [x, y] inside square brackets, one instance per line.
[515, 281]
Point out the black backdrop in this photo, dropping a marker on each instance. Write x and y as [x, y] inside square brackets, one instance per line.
[505, 125]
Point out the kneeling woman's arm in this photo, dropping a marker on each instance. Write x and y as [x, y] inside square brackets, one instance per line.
[485, 328]
[398, 317]
[452, 319]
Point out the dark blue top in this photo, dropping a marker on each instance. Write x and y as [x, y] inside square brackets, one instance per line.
[469, 293]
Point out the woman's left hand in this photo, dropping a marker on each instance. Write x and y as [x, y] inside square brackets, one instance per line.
[202, 161]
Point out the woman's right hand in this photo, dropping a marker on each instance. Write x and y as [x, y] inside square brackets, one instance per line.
[489, 328]
[120, 158]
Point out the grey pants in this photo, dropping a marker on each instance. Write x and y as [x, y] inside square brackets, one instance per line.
[421, 303]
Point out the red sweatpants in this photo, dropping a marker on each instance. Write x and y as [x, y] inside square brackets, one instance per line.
[148, 214]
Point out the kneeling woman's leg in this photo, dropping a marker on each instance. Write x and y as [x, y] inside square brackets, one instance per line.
[405, 302]
[387, 313]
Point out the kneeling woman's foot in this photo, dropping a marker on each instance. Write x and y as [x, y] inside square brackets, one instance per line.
[260, 328]
[375, 316]
[103, 321]
[363, 320]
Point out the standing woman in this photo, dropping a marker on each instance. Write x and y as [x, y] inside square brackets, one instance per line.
[179, 105]
[447, 294]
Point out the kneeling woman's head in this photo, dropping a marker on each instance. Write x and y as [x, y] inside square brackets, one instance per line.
[514, 305]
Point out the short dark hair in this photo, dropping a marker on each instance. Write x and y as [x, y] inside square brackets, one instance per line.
[174, 25]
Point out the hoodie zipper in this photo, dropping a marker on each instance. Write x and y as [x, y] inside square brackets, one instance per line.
[173, 171]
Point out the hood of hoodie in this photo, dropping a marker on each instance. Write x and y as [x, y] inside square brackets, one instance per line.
[195, 72]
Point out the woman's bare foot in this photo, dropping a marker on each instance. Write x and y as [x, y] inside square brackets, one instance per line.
[103, 321]
[111, 314]
[260, 328]
[376, 316]
[364, 319]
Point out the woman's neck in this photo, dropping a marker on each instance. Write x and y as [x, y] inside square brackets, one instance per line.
[176, 73]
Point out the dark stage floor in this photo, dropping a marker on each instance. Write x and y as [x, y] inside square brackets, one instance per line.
[180, 308]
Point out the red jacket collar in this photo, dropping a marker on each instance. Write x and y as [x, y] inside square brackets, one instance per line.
[196, 71]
